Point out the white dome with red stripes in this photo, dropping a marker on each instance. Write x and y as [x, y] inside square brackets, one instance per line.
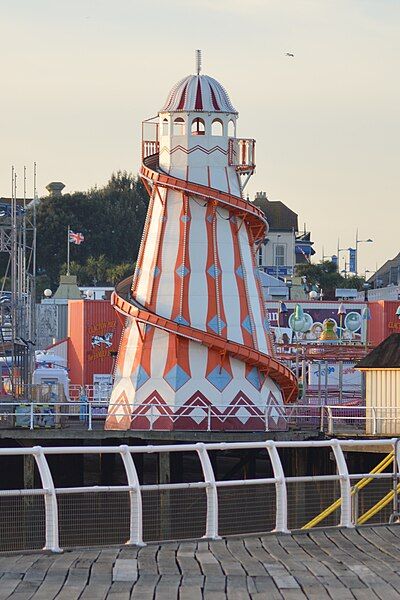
[198, 92]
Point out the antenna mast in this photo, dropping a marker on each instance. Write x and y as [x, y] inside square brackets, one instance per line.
[198, 61]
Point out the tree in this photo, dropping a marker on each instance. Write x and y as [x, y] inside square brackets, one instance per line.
[111, 219]
[325, 274]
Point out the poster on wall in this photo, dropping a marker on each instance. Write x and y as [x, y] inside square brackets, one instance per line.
[101, 386]
[309, 326]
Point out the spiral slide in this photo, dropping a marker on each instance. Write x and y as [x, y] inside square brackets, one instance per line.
[128, 306]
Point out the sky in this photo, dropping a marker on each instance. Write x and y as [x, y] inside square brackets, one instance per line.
[77, 78]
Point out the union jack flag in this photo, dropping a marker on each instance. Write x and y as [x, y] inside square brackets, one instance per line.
[75, 238]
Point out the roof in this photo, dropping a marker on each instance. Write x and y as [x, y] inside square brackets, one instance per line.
[198, 92]
[385, 268]
[279, 216]
[384, 356]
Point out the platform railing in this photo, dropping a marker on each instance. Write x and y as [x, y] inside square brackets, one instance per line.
[241, 417]
[279, 495]
[329, 419]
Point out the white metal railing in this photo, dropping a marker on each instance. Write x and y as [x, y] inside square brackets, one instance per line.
[209, 482]
[154, 417]
[330, 419]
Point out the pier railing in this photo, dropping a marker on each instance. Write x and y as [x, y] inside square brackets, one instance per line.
[205, 505]
[331, 419]
[241, 417]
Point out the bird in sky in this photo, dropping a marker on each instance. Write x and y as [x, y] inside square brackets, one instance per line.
[290, 54]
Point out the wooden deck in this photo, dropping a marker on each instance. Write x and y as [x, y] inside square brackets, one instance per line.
[330, 564]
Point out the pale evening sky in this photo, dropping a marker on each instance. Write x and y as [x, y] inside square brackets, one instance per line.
[78, 76]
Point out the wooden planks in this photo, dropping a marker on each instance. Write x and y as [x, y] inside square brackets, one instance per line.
[330, 564]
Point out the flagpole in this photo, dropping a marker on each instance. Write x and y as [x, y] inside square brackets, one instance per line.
[68, 251]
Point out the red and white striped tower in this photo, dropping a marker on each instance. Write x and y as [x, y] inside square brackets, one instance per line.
[196, 351]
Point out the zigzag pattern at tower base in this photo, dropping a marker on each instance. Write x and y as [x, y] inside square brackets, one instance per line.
[199, 389]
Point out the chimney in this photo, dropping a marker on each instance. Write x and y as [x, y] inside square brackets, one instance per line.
[55, 189]
[261, 195]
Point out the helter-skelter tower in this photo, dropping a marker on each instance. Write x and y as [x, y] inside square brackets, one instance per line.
[196, 352]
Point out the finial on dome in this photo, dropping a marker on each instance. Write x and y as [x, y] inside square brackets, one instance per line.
[198, 61]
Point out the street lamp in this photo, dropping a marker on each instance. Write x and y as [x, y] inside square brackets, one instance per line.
[341, 312]
[276, 255]
[366, 316]
[368, 241]
[289, 284]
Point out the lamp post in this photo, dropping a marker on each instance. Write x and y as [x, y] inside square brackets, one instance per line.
[289, 284]
[368, 241]
[366, 316]
[276, 255]
[341, 312]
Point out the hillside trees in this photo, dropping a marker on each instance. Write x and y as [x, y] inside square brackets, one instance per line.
[111, 219]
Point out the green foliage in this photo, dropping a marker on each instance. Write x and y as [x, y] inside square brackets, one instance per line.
[326, 276]
[111, 219]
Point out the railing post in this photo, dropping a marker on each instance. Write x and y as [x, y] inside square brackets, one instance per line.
[280, 488]
[135, 496]
[345, 485]
[31, 425]
[266, 417]
[211, 491]
[330, 420]
[322, 414]
[89, 405]
[50, 500]
[374, 420]
[209, 417]
[151, 417]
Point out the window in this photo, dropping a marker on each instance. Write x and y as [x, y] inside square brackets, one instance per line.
[165, 127]
[231, 129]
[279, 255]
[217, 127]
[179, 126]
[198, 127]
[260, 256]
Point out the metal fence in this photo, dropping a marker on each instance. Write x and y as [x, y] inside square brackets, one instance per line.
[329, 419]
[207, 506]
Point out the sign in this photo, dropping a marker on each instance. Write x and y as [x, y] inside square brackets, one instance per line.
[311, 324]
[351, 377]
[101, 339]
[102, 383]
[280, 271]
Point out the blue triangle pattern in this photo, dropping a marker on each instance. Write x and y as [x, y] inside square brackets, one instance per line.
[213, 324]
[180, 320]
[156, 271]
[182, 271]
[220, 378]
[176, 377]
[246, 323]
[214, 271]
[141, 377]
[239, 272]
[254, 377]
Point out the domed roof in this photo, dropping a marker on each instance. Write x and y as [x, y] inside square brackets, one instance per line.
[198, 92]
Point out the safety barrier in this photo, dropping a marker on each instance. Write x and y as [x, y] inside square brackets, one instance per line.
[207, 506]
[80, 415]
[47, 413]
[331, 419]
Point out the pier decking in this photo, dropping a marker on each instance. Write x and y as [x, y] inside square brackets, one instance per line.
[362, 563]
